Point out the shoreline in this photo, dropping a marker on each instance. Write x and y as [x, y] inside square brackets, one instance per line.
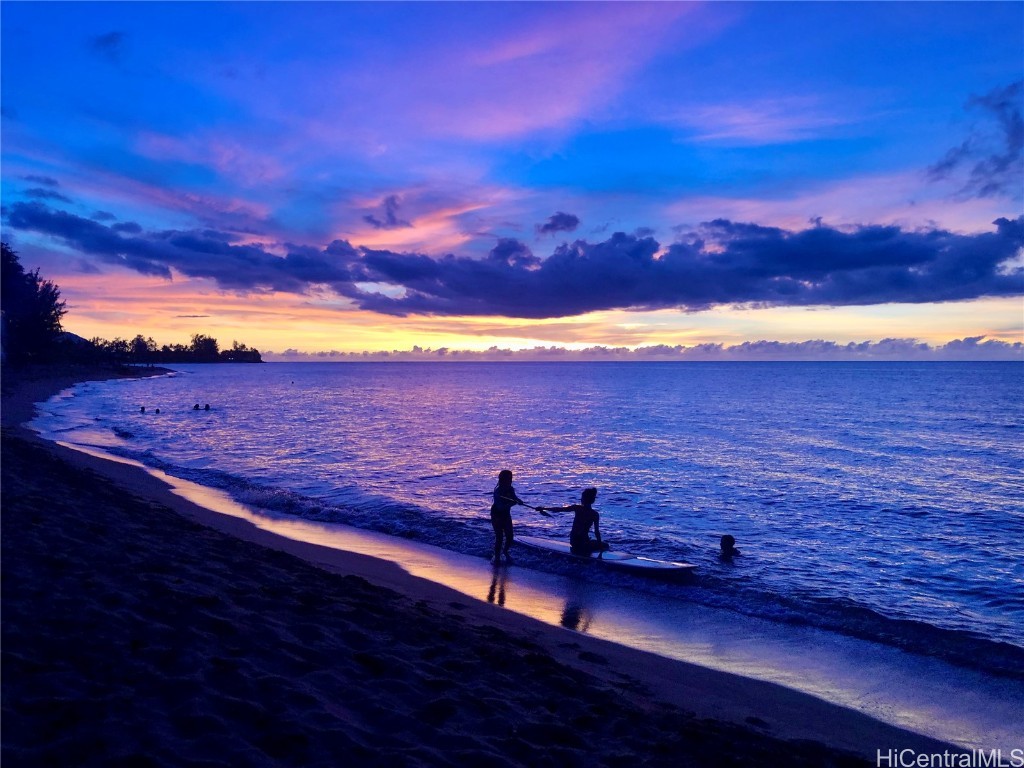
[663, 709]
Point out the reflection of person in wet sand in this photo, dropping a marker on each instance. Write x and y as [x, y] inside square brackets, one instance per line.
[586, 516]
[575, 616]
[497, 591]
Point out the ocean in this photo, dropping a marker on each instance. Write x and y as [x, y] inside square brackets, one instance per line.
[883, 501]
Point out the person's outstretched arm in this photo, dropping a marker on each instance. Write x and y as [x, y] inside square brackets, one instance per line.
[566, 508]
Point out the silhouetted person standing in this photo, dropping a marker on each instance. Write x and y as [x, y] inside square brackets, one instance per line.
[501, 514]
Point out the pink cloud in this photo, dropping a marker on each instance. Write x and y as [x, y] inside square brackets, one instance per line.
[765, 121]
[905, 199]
[540, 71]
[225, 212]
[237, 163]
[432, 222]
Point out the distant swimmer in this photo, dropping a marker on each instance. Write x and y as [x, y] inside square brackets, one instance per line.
[729, 550]
[207, 407]
[195, 407]
[158, 410]
[501, 515]
[586, 516]
[142, 409]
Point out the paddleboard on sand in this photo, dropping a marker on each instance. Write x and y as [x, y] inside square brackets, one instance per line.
[613, 558]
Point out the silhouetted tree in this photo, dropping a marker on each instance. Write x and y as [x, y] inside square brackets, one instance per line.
[32, 311]
[116, 351]
[142, 349]
[204, 349]
[240, 353]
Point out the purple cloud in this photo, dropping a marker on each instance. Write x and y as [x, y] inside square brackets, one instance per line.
[993, 154]
[129, 227]
[512, 253]
[40, 193]
[194, 253]
[559, 222]
[719, 263]
[390, 220]
[45, 181]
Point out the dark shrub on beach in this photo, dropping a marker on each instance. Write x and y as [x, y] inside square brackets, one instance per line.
[32, 311]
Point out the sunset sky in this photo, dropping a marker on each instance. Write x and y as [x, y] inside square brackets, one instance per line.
[350, 176]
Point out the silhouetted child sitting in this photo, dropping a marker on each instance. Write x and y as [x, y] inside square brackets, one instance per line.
[729, 550]
[585, 517]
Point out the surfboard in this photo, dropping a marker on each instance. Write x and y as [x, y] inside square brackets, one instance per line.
[623, 561]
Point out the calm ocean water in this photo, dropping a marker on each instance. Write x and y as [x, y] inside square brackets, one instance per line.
[884, 500]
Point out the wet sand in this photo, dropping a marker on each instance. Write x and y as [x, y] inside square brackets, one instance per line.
[141, 629]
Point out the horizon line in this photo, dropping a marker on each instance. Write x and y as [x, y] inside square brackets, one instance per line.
[973, 348]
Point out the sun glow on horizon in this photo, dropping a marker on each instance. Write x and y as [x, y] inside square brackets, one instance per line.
[171, 311]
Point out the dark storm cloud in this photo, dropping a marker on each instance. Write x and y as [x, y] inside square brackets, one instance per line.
[719, 263]
[992, 156]
[109, 45]
[390, 220]
[103, 216]
[559, 222]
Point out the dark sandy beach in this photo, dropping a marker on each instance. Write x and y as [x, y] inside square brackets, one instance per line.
[134, 634]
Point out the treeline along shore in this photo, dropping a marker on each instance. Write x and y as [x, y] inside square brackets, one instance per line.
[145, 351]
